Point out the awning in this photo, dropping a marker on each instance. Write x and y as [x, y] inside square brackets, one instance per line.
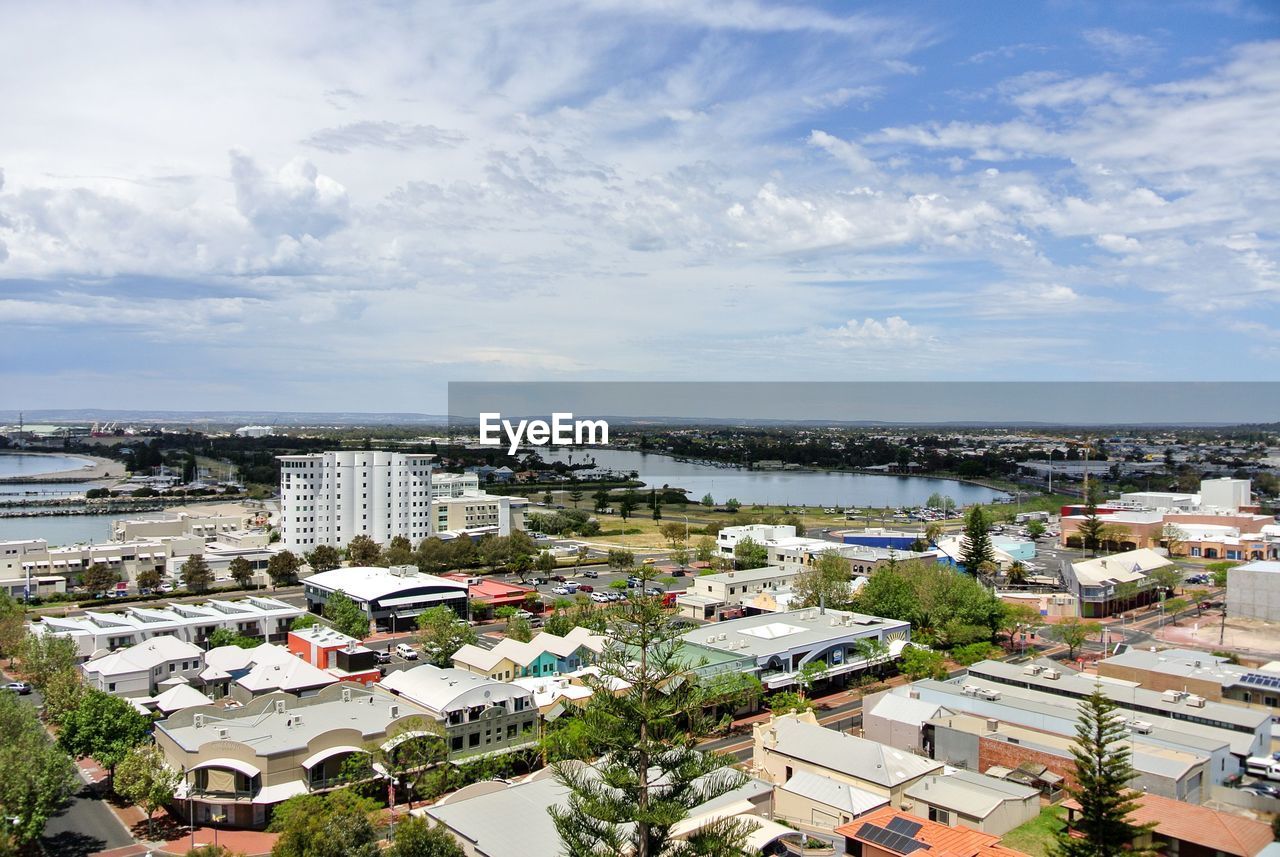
[418, 599]
[692, 824]
[234, 764]
[764, 833]
[280, 792]
[317, 758]
[58, 562]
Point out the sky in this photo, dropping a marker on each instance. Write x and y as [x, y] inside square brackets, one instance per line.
[345, 206]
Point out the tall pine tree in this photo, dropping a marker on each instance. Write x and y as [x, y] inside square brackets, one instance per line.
[1091, 528]
[1103, 773]
[651, 774]
[975, 547]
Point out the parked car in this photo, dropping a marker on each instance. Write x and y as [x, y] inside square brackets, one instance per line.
[591, 572]
[633, 582]
[536, 622]
[586, 587]
[600, 598]
[655, 590]
[564, 590]
[382, 657]
[406, 651]
[524, 614]
[614, 596]
[1269, 789]
[21, 688]
[559, 578]
[679, 572]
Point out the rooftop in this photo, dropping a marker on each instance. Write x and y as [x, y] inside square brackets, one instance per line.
[1126, 567]
[835, 793]
[1214, 831]
[144, 656]
[446, 690]
[1265, 565]
[526, 653]
[909, 833]
[867, 760]
[969, 793]
[367, 583]
[772, 633]
[280, 722]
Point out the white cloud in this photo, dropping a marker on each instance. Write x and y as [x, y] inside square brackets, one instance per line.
[297, 201]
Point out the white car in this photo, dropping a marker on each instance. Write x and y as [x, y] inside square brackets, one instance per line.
[562, 590]
[600, 597]
[406, 651]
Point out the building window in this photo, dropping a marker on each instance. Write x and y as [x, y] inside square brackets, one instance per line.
[941, 816]
[456, 744]
[473, 740]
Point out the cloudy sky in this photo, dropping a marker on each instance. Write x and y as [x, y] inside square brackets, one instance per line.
[343, 207]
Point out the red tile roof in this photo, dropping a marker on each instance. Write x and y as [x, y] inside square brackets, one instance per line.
[1217, 831]
[943, 841]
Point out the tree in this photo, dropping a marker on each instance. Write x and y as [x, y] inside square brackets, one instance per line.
[546, 564]
[226, 637]
[1017, 575]
[213, 850]
[518, 628]
[825, 583]
[45, 655]
[398, 552]
[144, 779]
[680, 556]
[785, 701]
[1174, 606]
[1090, 529]
[62, 693]
[1103, 773]
[875, 652]
[705, 550]
[929, 595]
[323, 558]
[601, 499]
[1174, 539]
[628, 504]
[283, 567]
[650, 773]
[13, 629]
[98, 578]
[1072, 633]
[708, 500]
[104, 727]
[441, 633]
[575, 497]
[347, 616]
[748, 553]
[38, 777]
[1035, 528]
[975, 546]
[364, 551]
[1167, 578]
[932, 532]
[621, 559]
[809, 674]
[919, 663]
[241, 571]
[149, 579]
[1018, 617]
[416, 837]
[301, 623]
[673, 532]
[732, 504]
[1113, 536]
[196, 574]
[334, 825]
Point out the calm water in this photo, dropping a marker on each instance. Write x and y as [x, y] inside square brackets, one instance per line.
[21, 464]
[807, 488]
[64, 529]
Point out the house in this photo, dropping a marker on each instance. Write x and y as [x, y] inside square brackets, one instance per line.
[244, 674]
[1100, 583]
[890, 833]
[1191, 831]
[478, 715]
[140, 669]
[544, 655]
[973, 800]
[793, 742]
[498, 819]
[341, 656]
[816, 802]
[898, 721]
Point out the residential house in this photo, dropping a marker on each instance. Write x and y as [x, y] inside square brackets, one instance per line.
[890, 833]
[544, 655]
[141, 669]
[1191, 831]
[478, 715]
[973, 800]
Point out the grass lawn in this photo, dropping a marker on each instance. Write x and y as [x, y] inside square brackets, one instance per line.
[1037, 836]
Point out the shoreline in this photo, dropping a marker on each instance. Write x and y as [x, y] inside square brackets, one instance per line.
[100, 469]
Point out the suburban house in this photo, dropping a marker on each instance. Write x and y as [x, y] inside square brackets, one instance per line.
[544, 655]
[973, 800]
[1192, 831]
[244, 674]
[788, 743]
[144, 669]
[890, 833]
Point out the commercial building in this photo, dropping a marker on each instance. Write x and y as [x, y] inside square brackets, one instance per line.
[256, 617]
[392, 597]
[1100, 584]
[497, 819]
[445, 485]
[336, 653]
[479, 513]
[761, 534]
[329, 498]
[798, 554]
[479, 715]
[494, 593]
[544, 655]
[790, 743]
[1184, 673]
[144, 669]
[776, 646]
[223, 519]
[240, 763]
[255, 431]
[1253, 591]
[708, 594]
[34, 558]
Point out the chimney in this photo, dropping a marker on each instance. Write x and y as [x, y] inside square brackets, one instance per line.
[993, 725]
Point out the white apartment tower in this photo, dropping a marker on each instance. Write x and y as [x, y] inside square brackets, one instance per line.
[332, 497]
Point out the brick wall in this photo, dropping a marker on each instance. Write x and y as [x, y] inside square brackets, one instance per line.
[994, 752]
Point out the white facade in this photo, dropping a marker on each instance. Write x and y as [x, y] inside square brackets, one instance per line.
[1225, 494]
[255, 431]
[445, 485]
[761, 534]
[140, 669]
[332, 497]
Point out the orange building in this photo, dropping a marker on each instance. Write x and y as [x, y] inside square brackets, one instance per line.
[335, 653]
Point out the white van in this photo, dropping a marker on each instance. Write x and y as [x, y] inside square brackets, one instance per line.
[406, 651]
[1263, 766]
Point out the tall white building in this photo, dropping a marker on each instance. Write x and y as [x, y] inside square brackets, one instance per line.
[332, 497]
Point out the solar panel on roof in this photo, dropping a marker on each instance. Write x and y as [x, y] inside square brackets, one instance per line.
[904, 826]
[890, 839]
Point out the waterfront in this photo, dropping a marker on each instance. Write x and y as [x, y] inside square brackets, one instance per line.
[65, 529]
[821, 488]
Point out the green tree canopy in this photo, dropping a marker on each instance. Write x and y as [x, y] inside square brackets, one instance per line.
[144, 778]
[363, 551]
[196, 574]
[98, 578]
[347, 616]
[324, 558]
[45, 655]
[825, 583]
[441, 633]
[38, 776]
[748, 553]
[283, 567]
[416, 837]
[334, 825]
[975, 546]
[241, 571]
[103, 727]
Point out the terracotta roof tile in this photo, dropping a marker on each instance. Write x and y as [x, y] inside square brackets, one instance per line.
[943, 841]
[1216, 831]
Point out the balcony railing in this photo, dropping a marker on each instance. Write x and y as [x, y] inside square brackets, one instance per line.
[222, 794]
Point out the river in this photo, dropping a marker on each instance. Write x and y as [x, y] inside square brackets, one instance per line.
[774, 487]
[25, 464]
